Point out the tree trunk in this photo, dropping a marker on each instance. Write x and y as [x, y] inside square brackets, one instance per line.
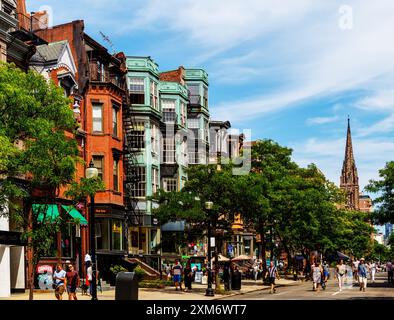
[30, 253]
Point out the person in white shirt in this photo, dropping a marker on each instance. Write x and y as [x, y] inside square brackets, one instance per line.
[340, 273]
[355, 269]
[372, 268]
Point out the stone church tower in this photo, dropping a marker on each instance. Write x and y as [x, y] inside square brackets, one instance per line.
[349, 177]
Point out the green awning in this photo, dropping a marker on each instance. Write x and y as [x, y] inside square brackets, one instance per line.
[49, 211]
[75, 214]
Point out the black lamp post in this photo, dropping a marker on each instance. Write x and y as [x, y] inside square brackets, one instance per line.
[91, 173]
[209, 292]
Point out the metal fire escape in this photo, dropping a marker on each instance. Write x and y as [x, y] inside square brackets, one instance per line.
[133, 216]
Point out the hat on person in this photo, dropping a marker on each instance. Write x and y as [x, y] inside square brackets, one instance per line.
[362, 259]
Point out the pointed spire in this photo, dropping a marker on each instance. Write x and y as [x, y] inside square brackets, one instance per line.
[349, 177]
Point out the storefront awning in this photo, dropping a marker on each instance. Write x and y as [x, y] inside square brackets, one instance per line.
[50, 212]
[75, 214]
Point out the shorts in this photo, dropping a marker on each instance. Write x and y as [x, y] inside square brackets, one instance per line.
[59, 290]
[271, 280]
[71, 289]
[177, 278]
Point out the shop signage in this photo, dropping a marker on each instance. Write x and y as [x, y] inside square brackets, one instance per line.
[45, 277]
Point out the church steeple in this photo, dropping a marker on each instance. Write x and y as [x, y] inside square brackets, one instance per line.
[349, 177]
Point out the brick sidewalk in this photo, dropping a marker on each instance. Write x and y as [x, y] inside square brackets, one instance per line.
[168, 293]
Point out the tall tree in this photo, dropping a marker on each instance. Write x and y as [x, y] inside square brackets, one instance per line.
[38, 157]
[384, 212]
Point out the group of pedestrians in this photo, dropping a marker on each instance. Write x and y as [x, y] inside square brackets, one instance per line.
[180, 274]
[66, 280]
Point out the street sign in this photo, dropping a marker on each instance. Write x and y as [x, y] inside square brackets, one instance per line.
[212, 241]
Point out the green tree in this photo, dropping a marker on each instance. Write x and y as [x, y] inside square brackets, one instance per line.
[37, 158]
[384, 212]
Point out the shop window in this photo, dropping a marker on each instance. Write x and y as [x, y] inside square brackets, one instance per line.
[67, 242]
[117, 235]
[102, 234]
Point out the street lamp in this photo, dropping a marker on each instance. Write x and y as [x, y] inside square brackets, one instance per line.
[209, 292]
[91, 173]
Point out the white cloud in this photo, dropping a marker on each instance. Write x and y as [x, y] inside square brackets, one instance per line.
[321, 120]
[370, 156]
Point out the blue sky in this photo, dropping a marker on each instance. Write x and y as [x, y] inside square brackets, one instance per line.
[289, 70]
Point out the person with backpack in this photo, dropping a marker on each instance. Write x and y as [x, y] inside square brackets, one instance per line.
[272, 273]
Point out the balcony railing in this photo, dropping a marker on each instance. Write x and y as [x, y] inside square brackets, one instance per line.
[105, 76]
[31, 23]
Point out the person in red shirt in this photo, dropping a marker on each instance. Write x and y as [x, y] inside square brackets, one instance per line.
[72, 280]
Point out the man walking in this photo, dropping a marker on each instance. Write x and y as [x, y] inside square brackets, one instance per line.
[272, 273]
[362, 274]
[372, 268]
[60, 277]
[389, 268]
[355, 269]
[177, 275]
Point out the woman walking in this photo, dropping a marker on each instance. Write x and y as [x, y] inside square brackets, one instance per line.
[316, 275]
[188, 276]
[340, 272]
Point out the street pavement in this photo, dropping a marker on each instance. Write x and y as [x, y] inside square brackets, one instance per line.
[304, 291]
[250, 290]
[168, 293]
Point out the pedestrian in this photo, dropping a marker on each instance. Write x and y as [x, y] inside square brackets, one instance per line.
[227, 276]
[168, 272]
[326, 271]
[373, 268]
[355, 269]
[389, 268]
[316, 275]
[59, 279]
[362, 274]
[340, 273]
[88, 261]
[307, 270]
[72, 281]
[272, 273]
[256, 272]
[188, 276]
[89, 276]
[177, 275]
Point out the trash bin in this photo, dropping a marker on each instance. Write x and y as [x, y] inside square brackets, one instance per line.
[126, 287]
[236, 280]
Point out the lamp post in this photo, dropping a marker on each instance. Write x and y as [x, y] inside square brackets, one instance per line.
[209, 292]
[91, 173]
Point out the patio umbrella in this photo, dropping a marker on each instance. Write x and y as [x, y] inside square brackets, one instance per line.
[242, 257]
[221, 258]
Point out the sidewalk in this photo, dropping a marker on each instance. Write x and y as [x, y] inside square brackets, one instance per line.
[168, 293]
